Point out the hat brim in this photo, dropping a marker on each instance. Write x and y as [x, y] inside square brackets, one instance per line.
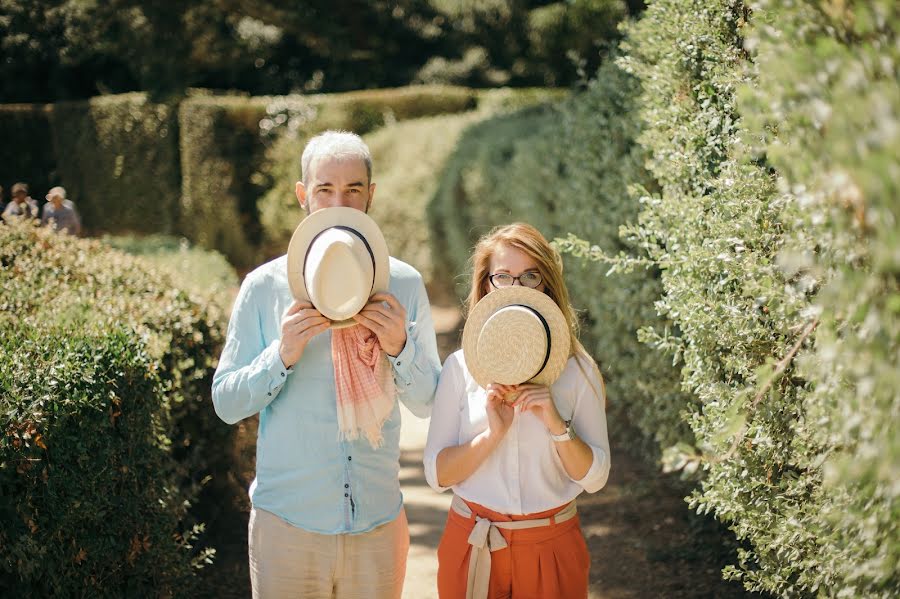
[326, 218]
[560, 341]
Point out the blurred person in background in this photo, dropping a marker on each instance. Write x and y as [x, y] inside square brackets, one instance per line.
[22, 205]
[60, 213]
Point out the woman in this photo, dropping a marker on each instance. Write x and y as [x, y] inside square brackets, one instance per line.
[505, 451]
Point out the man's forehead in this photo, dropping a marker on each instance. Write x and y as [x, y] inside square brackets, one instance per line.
[330, 169]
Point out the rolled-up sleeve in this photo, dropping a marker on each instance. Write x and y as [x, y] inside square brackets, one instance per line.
[250, 373]
[417, 366]
[443, 431]
[589, 421]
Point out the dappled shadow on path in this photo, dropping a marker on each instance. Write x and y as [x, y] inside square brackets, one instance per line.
[645, 542]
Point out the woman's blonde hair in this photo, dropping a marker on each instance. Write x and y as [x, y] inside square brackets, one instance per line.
[530, 241]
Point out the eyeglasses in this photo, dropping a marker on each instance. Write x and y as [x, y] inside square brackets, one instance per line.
[526, 279]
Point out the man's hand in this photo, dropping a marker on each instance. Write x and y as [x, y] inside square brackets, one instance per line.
[387, 322]
[301, 323]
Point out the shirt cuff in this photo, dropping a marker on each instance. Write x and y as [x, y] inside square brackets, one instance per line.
[403, 362]
[597, 474]
[276, 373]
[430, 463]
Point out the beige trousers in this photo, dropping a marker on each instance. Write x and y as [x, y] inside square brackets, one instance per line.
[286, 561]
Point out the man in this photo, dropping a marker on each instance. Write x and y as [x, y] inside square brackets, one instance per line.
[327, 517]
[22, 205]
[60, 212]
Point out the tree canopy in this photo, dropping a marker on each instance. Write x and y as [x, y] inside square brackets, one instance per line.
[69, 49]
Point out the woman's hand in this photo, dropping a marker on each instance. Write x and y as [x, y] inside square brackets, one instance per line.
[500, 414]
[538, 399]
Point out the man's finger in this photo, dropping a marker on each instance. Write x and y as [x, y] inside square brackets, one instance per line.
[392, 301]
[315, 330]
[307, 323]
[302, 314]
[378, 307]
[378, 317]
[370, 324]
[297, 306]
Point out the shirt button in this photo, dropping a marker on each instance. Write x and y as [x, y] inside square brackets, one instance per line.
[346, 495]
[349, 458]
[269, 394]
[346, 486]
[399, 362]
[282, 374]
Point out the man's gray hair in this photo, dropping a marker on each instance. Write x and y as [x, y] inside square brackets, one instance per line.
[335, 144]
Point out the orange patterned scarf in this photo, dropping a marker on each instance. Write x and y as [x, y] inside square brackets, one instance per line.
[364, 382]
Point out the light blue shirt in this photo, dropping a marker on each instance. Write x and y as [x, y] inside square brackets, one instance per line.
[304, 473]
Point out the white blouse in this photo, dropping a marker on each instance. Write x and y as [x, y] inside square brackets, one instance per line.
[524, 473]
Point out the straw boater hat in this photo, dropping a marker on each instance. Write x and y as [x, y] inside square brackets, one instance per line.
[336, 260]
[516, 335]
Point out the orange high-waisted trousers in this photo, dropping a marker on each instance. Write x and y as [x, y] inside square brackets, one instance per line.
[549, 562]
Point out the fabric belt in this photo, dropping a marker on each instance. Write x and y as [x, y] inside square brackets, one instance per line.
[486, 538]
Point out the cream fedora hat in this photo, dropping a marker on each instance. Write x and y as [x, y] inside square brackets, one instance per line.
[336, 260]
[516, 335]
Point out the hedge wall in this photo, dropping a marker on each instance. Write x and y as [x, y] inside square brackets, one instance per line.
[107, 435]
[226, 161]
[26, 153]
[408, 157]
[765, 237]
[117, 157]
[823, 106]
[760, 244]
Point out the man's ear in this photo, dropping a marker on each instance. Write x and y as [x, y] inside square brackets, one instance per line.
[300, 191]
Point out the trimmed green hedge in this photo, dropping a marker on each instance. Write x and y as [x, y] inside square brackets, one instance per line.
[117, 157]
[226, 160]
[408, 157]
[90, 502]
[218, 170]
[203, 271]
[825, 97]
[26, 153]
[104, 413]
[765, 237]
[760, 244]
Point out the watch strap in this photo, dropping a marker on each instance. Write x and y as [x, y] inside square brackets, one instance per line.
[566, 435]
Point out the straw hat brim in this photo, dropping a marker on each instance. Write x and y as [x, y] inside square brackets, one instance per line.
[326, 218]
[560, 340]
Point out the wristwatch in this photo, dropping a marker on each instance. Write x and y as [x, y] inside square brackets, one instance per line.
[567, 435]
